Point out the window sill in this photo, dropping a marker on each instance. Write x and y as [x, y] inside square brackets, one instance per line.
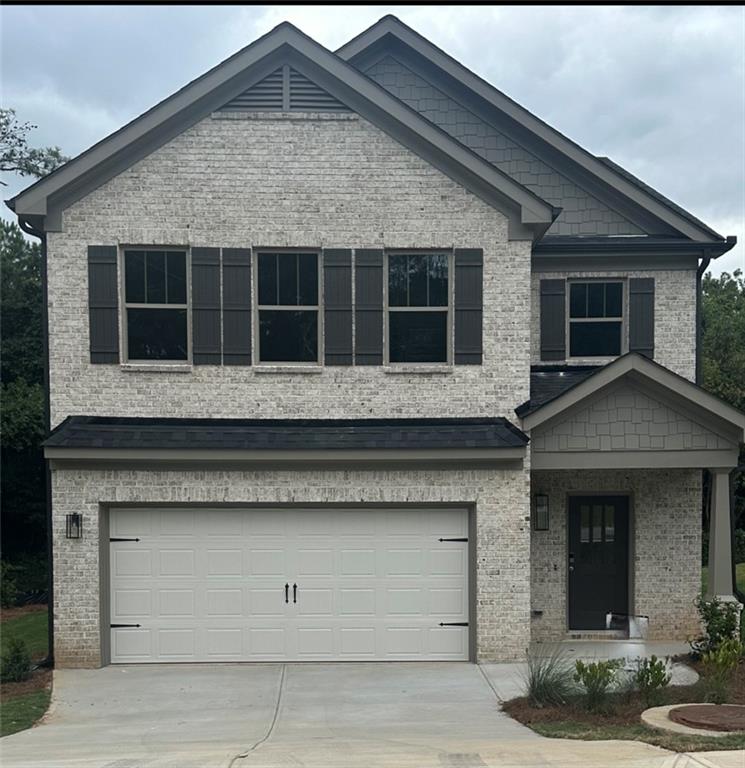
[157, 367]
[421, 368]
[293, 369]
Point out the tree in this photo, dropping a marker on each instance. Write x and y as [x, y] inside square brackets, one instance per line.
[723, 350]
[15, 154]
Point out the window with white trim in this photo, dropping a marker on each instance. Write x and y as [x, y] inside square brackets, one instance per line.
[596, 319]
[418, 307]
[288, 307]
[156, 305]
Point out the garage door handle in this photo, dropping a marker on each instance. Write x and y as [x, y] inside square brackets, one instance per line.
[287, 593]
[118, 626]
[453, 623]
[294, 593]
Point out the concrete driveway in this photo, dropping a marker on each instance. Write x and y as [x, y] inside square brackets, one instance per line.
[317, 715]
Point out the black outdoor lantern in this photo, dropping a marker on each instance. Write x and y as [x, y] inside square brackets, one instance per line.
[540, 512]
[74, 525]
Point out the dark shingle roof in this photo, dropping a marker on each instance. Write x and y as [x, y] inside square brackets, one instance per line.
[547, 382]
[290, 434]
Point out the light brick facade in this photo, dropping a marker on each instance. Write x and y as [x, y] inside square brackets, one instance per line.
[498, 498]
[303, 180]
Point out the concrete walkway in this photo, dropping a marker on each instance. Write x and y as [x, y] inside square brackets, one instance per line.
[421, 715]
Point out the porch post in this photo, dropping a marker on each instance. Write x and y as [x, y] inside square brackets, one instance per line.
[720, 538]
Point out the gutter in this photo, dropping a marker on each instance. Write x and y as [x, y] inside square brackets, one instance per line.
[33, 232]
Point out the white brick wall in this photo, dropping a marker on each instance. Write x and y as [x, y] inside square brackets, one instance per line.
[666, 548]
[500, 499]
[336, 182]
[674, 314]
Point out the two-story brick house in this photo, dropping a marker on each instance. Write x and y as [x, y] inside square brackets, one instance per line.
[352, 357]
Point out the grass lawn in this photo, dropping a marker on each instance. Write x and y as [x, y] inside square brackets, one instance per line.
[739, 576]
[22, 704]
[30, 626]
[20, 712]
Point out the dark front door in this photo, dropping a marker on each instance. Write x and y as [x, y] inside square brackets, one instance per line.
[598, 559]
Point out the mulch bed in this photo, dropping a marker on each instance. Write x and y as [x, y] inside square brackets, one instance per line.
[724, 717]
[621, 710]
[40, 679]
[21, 610]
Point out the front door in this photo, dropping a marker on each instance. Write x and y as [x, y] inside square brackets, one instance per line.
[598, 559]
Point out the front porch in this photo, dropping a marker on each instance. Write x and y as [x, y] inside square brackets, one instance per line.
[617, 463]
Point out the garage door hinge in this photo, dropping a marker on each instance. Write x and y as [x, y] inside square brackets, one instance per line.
[453, 623]
[452, 539]
[118, 626]
[123, 539]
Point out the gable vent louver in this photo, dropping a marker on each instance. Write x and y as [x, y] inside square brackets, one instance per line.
[285, 89]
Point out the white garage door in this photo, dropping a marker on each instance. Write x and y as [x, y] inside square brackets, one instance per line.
[288, 584]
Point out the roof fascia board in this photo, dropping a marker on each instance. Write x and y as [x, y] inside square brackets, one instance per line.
[354, 456]
[612, 262]
[341, 79]
[634, 459]
[550, 136]
[670, 384]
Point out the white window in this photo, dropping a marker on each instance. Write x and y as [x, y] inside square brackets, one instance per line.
[156, 305]
[596, 319]
[288, 307]
[418, 308]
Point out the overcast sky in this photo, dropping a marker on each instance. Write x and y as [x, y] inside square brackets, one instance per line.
[660, 90]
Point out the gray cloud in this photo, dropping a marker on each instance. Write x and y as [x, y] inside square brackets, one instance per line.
[661, 90]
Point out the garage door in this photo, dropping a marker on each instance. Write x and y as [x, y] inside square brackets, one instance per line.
[288, 584]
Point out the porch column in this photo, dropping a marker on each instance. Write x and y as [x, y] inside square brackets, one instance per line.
[720, 538]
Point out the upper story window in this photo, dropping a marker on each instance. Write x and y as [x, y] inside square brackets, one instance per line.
[288, 307]
[595, 319]
[418, 308]
[156, 305]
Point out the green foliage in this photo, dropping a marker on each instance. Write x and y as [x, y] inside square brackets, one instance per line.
[8, 587]
[719, 665]
[15, 666]
[22, 712]
[30, 626]
[720, 622]
[548, 680]
[15, 154]
[596, 678]
[650, 677]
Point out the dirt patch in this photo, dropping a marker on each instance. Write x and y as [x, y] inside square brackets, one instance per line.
[40, 679]
[21, 610]
[722, 717]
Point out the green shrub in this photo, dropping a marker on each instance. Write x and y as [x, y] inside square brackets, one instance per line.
[15, 666]
[548, 681]
[719, 665]
[650, 677]
[596, 678]
[720, 622]
[8, 586]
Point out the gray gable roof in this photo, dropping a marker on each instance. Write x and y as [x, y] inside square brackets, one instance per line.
[635, 201]
[41, 203]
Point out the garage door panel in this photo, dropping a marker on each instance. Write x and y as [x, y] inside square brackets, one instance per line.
[371, 584]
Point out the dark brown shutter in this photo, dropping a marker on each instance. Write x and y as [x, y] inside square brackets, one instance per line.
[236, 306]
[368, 316]
[337, 304]
[469, 305]
[205, 306]
[553, 319]
[103, 303]
[641, 315]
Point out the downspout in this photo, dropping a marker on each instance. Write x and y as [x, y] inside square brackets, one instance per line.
[739, 468]
[705, 261]
[30, 230]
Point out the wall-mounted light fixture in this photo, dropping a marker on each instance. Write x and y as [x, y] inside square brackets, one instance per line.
[540, 512]
[74, 525]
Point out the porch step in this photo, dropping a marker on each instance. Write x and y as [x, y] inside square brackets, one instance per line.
[602, 634]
